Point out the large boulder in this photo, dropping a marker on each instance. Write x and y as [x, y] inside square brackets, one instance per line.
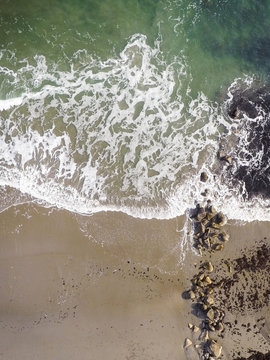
[187, 343]
[214, 348]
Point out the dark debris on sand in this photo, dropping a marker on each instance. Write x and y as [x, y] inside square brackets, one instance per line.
[256, 356]
[248, 287]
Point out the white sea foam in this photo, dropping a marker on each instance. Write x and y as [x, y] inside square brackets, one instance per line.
[7, 104]
[122, 134]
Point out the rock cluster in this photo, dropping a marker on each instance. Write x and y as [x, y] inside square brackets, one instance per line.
[209, 236]
[207, 227]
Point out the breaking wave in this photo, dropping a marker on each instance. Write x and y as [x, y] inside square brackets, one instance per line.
[123, 134]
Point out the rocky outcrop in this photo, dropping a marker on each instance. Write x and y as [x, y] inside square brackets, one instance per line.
[209, 236]
[251, 150]
[207, 226]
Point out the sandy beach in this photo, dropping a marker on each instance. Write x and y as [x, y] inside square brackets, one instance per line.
[115, 293]
[110, 286]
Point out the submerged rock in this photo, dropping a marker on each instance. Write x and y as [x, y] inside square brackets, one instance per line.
[211, 327]
[207, 243]
[204, 176]
[210, 290]
[201, 277]
[206, 335]
[206, 192]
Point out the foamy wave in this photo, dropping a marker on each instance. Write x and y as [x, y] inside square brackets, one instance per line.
[7, 104]
[120, 135]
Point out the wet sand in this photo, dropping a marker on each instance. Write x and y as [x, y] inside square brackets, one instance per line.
[114, 293]
[110, 287]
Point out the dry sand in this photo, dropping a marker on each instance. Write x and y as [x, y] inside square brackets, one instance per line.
[109, 287]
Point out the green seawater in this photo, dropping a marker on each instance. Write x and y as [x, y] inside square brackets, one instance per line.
[220, 39]
[117, 103]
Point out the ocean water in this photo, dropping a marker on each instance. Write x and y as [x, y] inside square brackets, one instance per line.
[120, 105]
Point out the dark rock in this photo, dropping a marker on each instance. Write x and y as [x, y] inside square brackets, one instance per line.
[188, 295]
[250, 102]
[204, 176]
[201, 216]
[220, 219]
[211, 210]
[215, 225]
[250, 170]
[220, 327]
[199, 228]
[206, 192]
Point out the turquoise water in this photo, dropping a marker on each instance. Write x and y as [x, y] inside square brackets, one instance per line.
[120, 104]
